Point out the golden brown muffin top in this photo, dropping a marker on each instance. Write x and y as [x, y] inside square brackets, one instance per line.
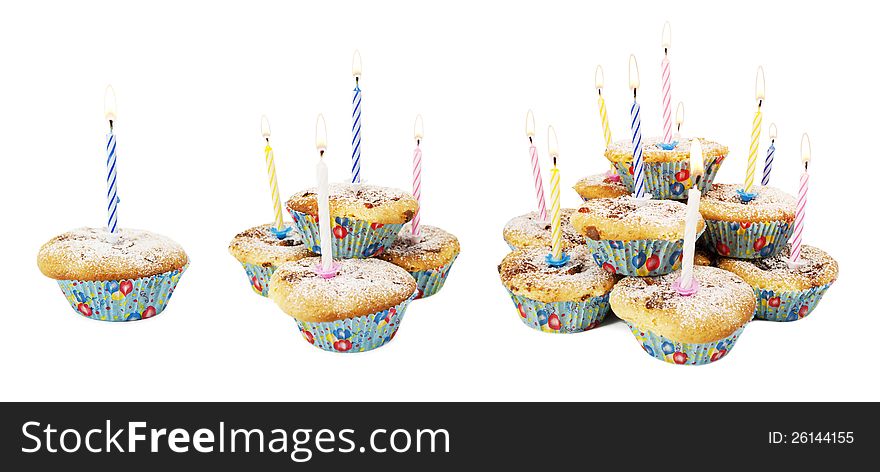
[773, 273]
[621, 151]
[363, 202]
[724, 203]
[525, 272]
[433, 249]
[630, 219]
[599, 186]
[259, 246]
[530, 231]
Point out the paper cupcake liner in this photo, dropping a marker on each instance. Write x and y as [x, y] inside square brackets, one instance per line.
[669, 180]
[359, 334]
[121, 300]
[788, 305]
[561, 317]
[674, 352]
[640, 258]
[431, 281]
[352, 238]
[258, 277]
[747, 240]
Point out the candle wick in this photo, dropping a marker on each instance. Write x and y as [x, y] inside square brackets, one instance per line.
[665, 51]
[554, 161]
[760, 102]
[321, 153]
[418, 142]
[635, 91]
[530, 140]
[600, 90]
[806, 166]
[678, 128]
[111, 125]
[357, 80]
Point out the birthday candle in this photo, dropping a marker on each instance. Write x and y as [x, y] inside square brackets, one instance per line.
[603, 112]
[679, 118]
[273, 179]
[771, 151]
[756, 132]
[356, 120]
[112, 195]
[323, 196]
[801, 202]
[419, 132]
[555, 211]
[666, 84]
[692, 215]
[636, 128]
[536, 166]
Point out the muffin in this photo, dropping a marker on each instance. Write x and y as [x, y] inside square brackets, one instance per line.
[667, 171]
[784, 293]
[126, 279]
[600, 186]
[694, 330]
[357, 310]
[758, 228]
[427, 258]
[529, 231]
[628, 236]
[366, 218]
[567, 299]
[260, 252]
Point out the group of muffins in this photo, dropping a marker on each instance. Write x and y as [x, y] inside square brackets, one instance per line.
[625, 256]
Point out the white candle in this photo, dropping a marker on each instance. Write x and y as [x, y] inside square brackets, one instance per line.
[693, 214]
[323, 196]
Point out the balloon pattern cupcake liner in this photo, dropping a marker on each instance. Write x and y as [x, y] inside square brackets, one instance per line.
[755, 240]
[562, 317]
[787, 305]
[258, 277]
[121, 300]
[359, 334]
[352, 238]
[674, 352]
[431, 281]
[639, 258]
[670, 180]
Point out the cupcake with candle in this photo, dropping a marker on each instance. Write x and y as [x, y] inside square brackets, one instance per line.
[570, 297]
[357, 309]
[260, 252]
[124, 275]
[600, 186]
[428, 256]
[693, 328]
[529, 230]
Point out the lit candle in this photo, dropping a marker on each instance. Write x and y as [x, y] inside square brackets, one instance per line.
[636, 128]
[771, 151]
[419, 132]
[112, 196]
[679, 119]
[536, 166]
[666, 84]
[795, 258]
[686, 285]
[756, 134]
[356, 119]
[603, 117]
[280, 230]
[555, 211]
[324, 222]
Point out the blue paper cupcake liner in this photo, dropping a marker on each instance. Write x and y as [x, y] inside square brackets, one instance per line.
[352, 238]
[562, 317]
[359, 334]
[674, 352]
[258, 277]
[639, 258]
[121, 300]
[747, 240]
[788, 305]
[669, 180]
[431, 281]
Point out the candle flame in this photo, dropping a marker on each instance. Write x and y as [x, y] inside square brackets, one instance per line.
[696, 159]
[321, 135]
[530, 124]
[806, 150]
[356, 65]
[110, 103]
[552, 143]
[773, 131]
[600, 78]
[264, 127]
[667, 35]
[633, 72]
[679, 114]
[419, 128]
[759, 84]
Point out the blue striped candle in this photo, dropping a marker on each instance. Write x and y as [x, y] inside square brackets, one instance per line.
[636, 128]
[356, 120]
[112, 196]
[771, 152]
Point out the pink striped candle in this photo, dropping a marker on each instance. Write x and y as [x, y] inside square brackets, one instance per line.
[666, 85]
[536, 166]
[419, 131]
[794, 259]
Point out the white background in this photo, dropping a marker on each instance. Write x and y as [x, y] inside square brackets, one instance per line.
[192, 80]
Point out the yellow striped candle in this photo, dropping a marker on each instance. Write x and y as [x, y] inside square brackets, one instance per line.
[273, 179]
[555, 211]
[756, 133]
[603, 112]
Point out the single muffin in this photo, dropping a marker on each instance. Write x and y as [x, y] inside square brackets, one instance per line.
[667, 171]
[260, 252]
[357, 310]
[366, 218]
[600, 186]
[427, 258]
[696, 329]
[784, 293]
[129, 278]
[758, 228]
[635, 237]
[567, 299]
[528, 231]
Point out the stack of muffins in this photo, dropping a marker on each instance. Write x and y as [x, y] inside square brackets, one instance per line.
[626, 254]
